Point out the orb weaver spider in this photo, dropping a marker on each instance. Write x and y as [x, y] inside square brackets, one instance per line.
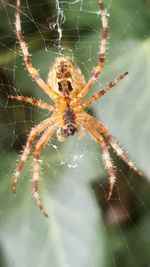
[66, 86]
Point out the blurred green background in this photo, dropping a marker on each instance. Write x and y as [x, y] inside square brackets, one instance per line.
[83, 228]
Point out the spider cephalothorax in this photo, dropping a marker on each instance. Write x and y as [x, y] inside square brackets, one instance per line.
[66, 86]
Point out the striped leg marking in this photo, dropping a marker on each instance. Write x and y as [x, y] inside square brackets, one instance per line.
[106, 158]
[109, 167]
[35, 131]
[119, 151]
[27, 58]
[36, 159]
[103, 91]
[32, 101]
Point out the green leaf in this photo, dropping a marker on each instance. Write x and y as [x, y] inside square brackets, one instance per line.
[69, 237]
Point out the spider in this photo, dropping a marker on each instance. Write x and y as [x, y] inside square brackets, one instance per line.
[66, 86]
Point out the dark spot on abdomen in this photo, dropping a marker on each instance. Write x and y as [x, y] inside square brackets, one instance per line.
[70, 130]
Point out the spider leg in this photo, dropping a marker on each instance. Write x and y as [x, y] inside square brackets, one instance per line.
[34, 132]
[38, 147]
[106, 157]
[32, 101]
[119, 151]
[103, 91]
[102, 53]
[27, 58]
[59, 135]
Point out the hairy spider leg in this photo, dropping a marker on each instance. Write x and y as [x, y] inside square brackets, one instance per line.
[119, 151]
[105, 155]
[32, 101]
[41, 143]
[27, 58]
[103, 91]
[102, 53]
[33, 134]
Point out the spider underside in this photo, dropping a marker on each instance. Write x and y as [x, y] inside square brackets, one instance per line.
[66, 86]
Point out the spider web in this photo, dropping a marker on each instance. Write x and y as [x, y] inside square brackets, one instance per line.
[83, 228]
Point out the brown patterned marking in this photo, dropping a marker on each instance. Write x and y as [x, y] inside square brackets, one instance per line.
[65, 87]
[39, 145]
[63, 70]
[17, 172]
[102, 58]
[34, 132]
[111, 84]
[96, 72]
[63, 67]
[109, 168]
[32, 101]
[70, 88]
[20, 165]
[119, 151]
[27, 60]
[124, 74]
[18, 169]
[61, 75]
[36, 102]
[35, 185]
[39, 204]
[105, 33]
[104, 90]
[101, 5]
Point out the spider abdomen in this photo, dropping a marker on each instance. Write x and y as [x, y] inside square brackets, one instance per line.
[65, 77]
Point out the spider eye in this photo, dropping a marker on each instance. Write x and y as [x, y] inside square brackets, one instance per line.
[60, 87]
[69, 86]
